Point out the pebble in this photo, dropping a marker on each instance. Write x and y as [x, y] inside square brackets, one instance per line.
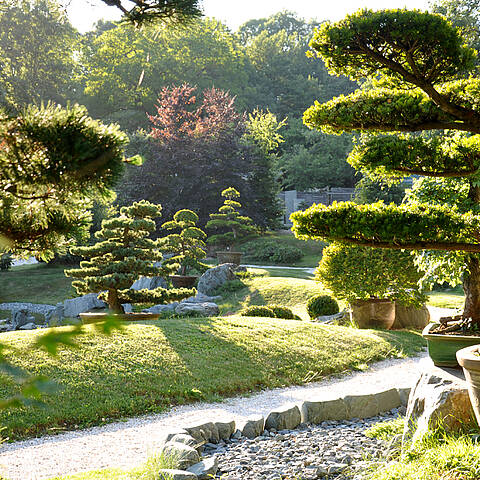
[332, 449]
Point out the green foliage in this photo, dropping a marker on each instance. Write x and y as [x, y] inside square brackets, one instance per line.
[35, 68]
[387, 429]
[123, 254]
[359, 273]
[229, 218]
[371, 191]
[231, 286]
[271, 311]
[188, 246]
[53, 162]
[6, 261]
[418, 45]
[271, 251]
[322, 305]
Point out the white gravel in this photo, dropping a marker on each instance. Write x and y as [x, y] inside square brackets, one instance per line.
[127, 444]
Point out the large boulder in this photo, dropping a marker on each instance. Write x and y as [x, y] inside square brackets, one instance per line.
[185, 455]
[411, 317]
[216, 277]
[56, 316]
[169, 308]
[206, 309]
[20, 318]
[439, 398]
[74, 306]
[149, 283]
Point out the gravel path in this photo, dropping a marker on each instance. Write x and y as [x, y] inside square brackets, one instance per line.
[126, 444]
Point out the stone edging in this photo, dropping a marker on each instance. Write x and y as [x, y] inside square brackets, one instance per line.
[187, 443]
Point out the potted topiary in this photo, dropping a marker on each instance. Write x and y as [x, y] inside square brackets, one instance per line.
[372, 281]
[234, 226]
[187, 247]
[123, 254]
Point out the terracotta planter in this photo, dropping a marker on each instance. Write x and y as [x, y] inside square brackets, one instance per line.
[443, 348]
[373, 313]
[183, 281]
[469, 360]
[92, 317]
[229, 257]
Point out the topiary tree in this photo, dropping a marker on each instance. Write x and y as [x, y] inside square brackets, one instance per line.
[360, 273]
[418, 65]
[321, 305]
[123, 254]
[229, 218]
[187, 246]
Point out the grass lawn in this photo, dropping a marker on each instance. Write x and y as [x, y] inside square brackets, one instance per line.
[148, 367]
[451, 298]
[38, 283]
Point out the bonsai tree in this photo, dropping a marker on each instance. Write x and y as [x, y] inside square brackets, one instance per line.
[187, 246]
[359, 273]
[123, 254]
[418, 67]
[229, 218]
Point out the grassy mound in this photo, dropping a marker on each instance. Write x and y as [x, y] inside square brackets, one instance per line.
[150, 366]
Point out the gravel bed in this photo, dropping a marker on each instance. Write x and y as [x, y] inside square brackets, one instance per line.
[333, 449]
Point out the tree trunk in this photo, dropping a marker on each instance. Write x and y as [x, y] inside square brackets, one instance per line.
[113, 302]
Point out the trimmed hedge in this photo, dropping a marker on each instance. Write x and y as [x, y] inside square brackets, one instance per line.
[272, 311]
[265, 250]
[322, 305]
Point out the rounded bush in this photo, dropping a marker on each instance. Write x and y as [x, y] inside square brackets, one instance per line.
[257, 311]
[282, 312]
[322, 305]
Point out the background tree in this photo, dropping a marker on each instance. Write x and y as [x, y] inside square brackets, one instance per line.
[204, 141]
[420, 60]
[188, 245]
[37, 67]
[232, 225]
[122, 255]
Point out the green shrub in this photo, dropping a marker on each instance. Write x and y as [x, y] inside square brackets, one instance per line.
[322, 305]
[257, 311]
[282, 312]
[230, 287]
[6, 261]
[359, 273]
[265, 250]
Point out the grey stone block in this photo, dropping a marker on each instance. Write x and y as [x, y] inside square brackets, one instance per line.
[404, 393]
[204, 433]
[225, 429]
[185, 455]
[206, 309]
[361, 406]
[206, 469]
[317, 412]
[74, 306]
[286, 419]
[253, 427]
[388, 400]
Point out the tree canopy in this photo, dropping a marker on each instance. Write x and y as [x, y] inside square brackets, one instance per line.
[417, 65]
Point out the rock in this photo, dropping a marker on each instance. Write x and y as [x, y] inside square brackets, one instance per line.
[184, 438]
[169, 307]
[206, 309]
[206, 469]
[201, 298]
[411, 317]
[216, 277]
[253, 427]
[225, 429]
[439, 398]
[55, 316]
[185, 455]
[404, 393]
[317, 412]
[207, 432]
[286, 419]
[127, 307]
[21, 318]
[74, 306]
[149, 283]
[165, 437]
[172, 474]
[28, 326]
[5, 325]
[361, 406]
[388, 400]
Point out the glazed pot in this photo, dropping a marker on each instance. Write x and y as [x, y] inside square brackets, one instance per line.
[469, 359]
[183, 281]
[443, 348]
[373, 313]
[229, 257]
[93, 317]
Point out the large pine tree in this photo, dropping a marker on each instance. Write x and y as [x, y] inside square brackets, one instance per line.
[418, 65]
